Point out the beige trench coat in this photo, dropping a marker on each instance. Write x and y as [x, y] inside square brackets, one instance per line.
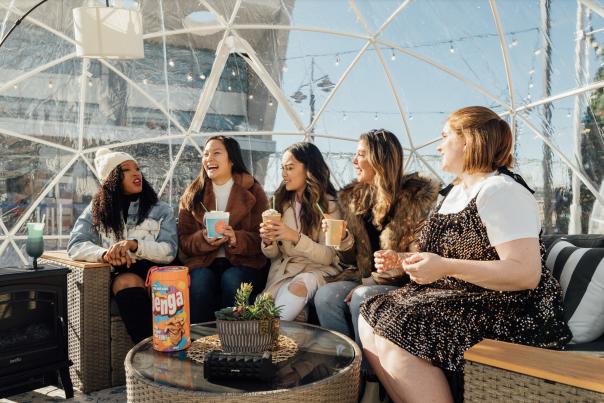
[307, 256]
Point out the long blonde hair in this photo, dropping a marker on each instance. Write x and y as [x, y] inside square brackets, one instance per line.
[385, 156]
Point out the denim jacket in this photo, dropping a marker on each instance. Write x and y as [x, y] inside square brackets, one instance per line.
[156, 236]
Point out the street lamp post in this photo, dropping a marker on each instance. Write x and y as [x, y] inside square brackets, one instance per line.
[323, 83]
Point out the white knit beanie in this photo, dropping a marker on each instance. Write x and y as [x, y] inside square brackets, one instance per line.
[106, 160]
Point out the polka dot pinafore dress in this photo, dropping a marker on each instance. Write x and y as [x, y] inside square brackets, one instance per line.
[440, 321]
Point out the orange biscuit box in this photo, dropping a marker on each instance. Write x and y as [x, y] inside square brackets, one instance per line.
[170, 304]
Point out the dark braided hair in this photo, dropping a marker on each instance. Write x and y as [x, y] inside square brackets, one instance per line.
[108, 200]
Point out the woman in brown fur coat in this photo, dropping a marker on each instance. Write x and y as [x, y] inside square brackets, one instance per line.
[383, 209]
[219, 265]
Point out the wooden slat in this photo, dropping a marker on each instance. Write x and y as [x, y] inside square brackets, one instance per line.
[582, 371]
[60, 257]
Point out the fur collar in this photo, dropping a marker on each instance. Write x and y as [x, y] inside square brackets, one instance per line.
[414, 202]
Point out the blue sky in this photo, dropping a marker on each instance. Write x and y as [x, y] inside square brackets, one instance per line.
[431, 28]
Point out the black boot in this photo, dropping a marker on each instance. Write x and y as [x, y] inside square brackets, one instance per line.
[135, 309]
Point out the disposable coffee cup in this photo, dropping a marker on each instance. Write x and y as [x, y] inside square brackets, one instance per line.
[216, 221]
[271, 215]
[335, 229]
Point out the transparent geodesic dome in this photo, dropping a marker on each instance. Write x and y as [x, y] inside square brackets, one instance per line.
[274, 72]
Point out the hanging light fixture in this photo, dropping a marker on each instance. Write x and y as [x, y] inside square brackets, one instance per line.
[326, 84]
[102, 32]
[108, 32]
[298, 96]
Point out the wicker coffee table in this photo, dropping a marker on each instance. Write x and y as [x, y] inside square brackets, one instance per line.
[325, 369]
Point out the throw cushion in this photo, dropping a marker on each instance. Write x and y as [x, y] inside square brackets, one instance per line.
[580, 272]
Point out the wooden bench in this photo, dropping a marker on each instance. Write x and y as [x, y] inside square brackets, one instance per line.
[499, 371]
[98, 342]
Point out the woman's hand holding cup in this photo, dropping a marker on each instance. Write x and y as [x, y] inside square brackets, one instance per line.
[278, 231]
[213, 241]
[325, 225]
[387, 260]
[265, 233]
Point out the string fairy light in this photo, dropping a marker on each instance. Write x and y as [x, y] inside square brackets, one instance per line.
[450, 42]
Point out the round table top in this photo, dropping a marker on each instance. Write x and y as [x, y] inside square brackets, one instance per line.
[321, 354]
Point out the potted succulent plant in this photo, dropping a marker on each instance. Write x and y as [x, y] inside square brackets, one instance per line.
[249, 328]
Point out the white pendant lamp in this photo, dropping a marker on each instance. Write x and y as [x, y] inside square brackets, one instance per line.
[108, 32]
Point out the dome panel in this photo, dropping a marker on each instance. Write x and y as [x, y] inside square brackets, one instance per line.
[430, 95]
[45, 106]
[61, 207]
[28, 170]
[470, 50]
[122, 104]
[185, 170]
[364, 101]
[301, 15]
[300, 61]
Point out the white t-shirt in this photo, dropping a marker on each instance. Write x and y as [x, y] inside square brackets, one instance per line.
[222, 193]
[507, 209]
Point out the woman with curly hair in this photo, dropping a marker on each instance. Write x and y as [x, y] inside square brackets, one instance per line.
[220, 264]
[296, 245]
[383, 208]
[126, 226]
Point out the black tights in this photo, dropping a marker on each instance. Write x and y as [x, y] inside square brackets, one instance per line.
[134, 303]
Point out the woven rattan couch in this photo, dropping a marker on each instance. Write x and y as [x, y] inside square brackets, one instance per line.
[499, 371]
[98, 341]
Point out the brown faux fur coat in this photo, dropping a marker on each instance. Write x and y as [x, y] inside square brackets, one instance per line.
[399, 234]
[246, 203]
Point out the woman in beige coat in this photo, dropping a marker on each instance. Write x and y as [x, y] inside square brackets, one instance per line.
[300, 261]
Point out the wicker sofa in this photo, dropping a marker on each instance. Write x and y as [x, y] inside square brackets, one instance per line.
[499, 371]
[98, 341]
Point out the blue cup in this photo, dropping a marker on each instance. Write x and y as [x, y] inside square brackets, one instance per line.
[215, 222]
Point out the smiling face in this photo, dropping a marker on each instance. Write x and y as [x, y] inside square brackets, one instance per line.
[216, 162]
[365, 172]
[452, 148]
[294, 173]
[133, 178]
